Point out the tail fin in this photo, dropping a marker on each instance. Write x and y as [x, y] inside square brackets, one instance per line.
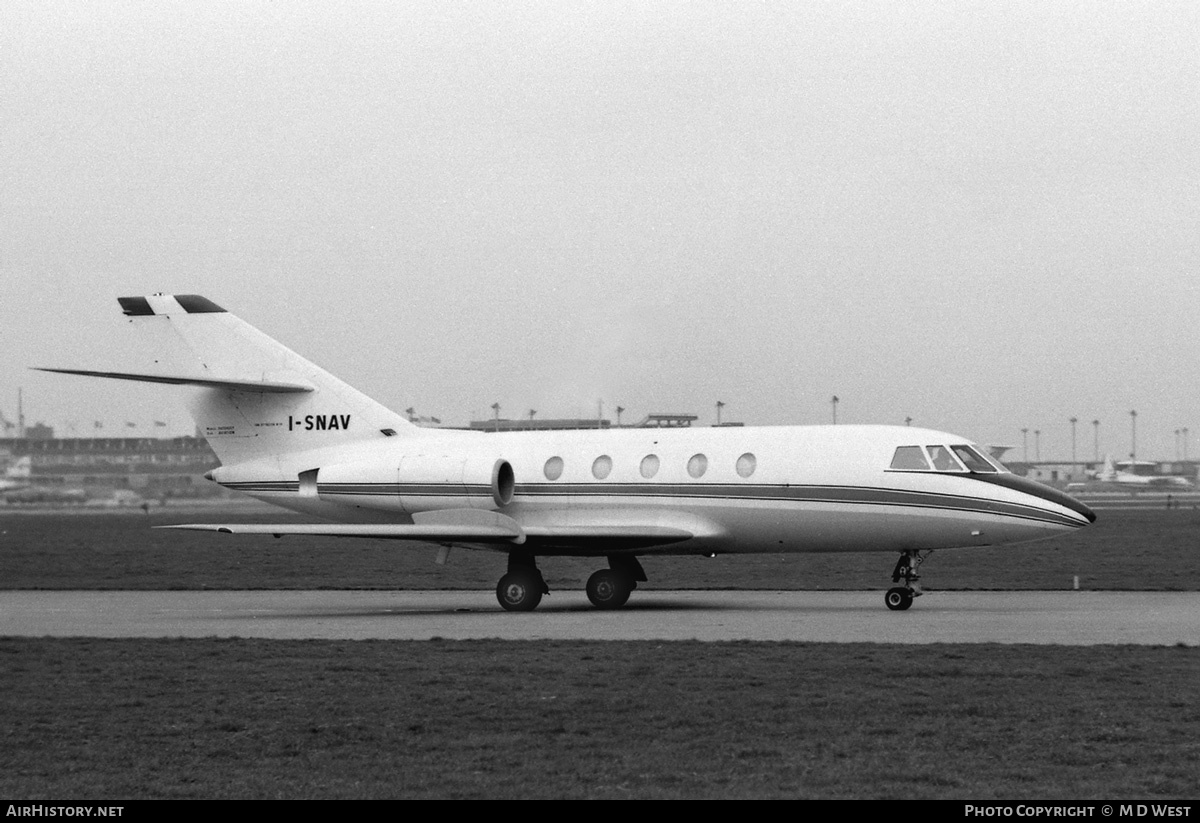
[256, 398]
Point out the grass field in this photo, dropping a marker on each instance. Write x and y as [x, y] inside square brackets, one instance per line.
[1147, 550]
[127, 719]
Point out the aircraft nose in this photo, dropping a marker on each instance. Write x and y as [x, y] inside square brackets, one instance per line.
[1051, 495]
[1055, 496]
[1066, 500]
[1075, 505]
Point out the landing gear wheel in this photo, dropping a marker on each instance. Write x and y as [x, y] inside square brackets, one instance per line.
[520, 590]
[609, 588]
[898, 599]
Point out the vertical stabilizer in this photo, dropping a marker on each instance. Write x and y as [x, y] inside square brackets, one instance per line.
[253, 398]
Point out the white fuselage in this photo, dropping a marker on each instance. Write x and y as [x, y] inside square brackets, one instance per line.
[737, 489]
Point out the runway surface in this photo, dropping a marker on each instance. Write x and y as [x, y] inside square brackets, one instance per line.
[1070, 618]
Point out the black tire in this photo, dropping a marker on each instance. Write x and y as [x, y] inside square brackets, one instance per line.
[609, 589]
[520, 590]
[898, 599]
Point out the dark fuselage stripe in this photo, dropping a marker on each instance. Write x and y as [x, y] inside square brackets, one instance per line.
[841, 495]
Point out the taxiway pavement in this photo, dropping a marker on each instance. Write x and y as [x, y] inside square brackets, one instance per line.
[1070, 618]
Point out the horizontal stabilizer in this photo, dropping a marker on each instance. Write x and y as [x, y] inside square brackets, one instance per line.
[235, 384]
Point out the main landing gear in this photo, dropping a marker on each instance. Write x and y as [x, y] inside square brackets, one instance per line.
[610, 588]
[522, 588]
[899, 598]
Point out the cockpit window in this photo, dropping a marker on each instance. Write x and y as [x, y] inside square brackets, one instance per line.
[973, 460]
[909, 458]
[995, 461]
[943, 461]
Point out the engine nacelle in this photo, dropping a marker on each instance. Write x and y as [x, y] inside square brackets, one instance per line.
[420, 483]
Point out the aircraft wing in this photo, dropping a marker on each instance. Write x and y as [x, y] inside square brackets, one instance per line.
[481, 533]
[570, 539]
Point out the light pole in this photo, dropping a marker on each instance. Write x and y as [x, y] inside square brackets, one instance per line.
[1037, 444]
[1096, 438]
[1074, 420]
[1133, 439]
[1025, 444]
[619, 410]
[720, 406]
[834, 403]
[496, 409]
[1177, 444]
[908, 421]
[1185, 438]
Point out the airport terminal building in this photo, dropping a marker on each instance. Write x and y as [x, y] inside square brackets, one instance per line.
[100, 468]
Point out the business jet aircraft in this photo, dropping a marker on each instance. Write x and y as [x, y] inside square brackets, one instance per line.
[289, 433]
[1109, 473]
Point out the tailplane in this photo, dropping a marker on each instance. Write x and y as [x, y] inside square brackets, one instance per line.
[253, 397]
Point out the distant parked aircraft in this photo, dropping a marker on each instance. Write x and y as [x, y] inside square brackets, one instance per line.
[1109, 473]
[19, 486]
[17, 475]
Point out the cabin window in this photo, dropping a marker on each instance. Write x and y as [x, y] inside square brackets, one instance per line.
[973, 460]
[943, 461]
[910, 458]
[746, 465]
[554, 468]
[649, 466]
[601, 467]
[698, 465]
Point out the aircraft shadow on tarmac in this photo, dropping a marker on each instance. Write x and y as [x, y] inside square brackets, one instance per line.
[644, 605]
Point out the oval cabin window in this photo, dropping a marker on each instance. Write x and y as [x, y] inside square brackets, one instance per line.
[649, 466]
[698, 465]
[601, 467]
[746, 465]
[554, 467]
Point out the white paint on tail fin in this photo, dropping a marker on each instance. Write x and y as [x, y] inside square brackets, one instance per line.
[252, 397]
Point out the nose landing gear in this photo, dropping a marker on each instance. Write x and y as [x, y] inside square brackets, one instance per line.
[899, 598]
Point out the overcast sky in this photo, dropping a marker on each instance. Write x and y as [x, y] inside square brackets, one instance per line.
[983, 216]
